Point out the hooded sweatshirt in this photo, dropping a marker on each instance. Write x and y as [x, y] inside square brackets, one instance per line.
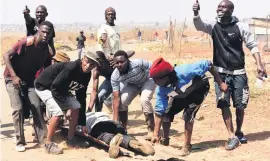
[228, 43]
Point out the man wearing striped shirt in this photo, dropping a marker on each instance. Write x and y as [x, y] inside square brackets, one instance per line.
[134, 75]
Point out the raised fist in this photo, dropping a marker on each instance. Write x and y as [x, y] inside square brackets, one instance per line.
[196, 8]
[26, 10]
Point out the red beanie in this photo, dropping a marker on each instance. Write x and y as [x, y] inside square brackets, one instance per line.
[160, 68]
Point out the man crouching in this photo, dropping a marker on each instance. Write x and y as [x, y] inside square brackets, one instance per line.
[181, 88]
[53, 86]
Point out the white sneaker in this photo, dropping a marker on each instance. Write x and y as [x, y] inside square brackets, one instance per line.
[20, 148]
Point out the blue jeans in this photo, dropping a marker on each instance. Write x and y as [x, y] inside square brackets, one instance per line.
[104, 95]
[25, 98]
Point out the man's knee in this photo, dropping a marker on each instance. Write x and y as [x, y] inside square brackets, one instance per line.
[240, 112]
[146, 105]
[126, 99]
[226, 112]
[75, 113]
[17, 112]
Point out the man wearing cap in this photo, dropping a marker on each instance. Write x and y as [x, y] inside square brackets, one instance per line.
[54, 86]
[80, 46]
[108, 34]
[181, 88]
[134, 75]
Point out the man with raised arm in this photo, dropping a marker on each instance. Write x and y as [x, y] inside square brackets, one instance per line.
[228, 35]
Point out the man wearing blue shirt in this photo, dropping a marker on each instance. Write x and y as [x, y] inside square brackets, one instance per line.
[181, 88]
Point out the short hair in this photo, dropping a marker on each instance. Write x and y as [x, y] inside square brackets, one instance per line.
[231, 4]
[47, 23]
[43, 7]
[121, 53]
[110, 9]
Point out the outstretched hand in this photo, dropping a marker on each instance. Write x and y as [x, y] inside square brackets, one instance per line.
[26, 10]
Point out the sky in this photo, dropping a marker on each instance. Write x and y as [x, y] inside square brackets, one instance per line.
[92, 11]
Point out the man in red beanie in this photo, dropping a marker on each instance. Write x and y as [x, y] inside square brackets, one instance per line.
[181, 88]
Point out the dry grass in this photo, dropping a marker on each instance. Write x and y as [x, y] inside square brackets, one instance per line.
[209, 133]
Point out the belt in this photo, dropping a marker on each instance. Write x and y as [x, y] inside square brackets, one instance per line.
[231, 72]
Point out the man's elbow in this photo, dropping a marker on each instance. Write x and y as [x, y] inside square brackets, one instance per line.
[6, 56]
[196, 25]
[94, 93]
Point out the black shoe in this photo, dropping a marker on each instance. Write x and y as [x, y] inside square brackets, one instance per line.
[75, 142]
[241, 137]
[232, 143]
[165, 141]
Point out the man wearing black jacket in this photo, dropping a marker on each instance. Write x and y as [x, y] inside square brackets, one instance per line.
[228, 35]
[54, 86]
[32, 25]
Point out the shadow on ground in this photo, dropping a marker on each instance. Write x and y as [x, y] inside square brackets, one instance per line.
[202, 146]
[258, 136]
[171, 159]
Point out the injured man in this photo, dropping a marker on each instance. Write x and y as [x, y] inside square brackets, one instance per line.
[100, 126]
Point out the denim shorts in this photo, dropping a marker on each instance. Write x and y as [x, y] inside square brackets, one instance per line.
[238, 91]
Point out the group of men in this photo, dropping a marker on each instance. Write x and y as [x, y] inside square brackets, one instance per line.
[30, 78]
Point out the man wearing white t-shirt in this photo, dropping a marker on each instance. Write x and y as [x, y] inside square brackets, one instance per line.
[108, 34]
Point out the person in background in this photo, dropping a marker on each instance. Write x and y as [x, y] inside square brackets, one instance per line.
[80, 45]
[139, 35]
[108, 35]
[156, 36]
[32, 24]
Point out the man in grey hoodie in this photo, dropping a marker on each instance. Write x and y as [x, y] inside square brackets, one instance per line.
[228, 35]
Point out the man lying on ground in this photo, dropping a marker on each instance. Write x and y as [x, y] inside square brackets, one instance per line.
[100, 126]
[54, 86]
[181, 88]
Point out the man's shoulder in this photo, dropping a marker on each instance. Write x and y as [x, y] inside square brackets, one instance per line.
[71, 65]
[30, 40]
[136, 62]
[184, 69]
[115, 75]
[26, 41]
[108, 28]
[242, 26]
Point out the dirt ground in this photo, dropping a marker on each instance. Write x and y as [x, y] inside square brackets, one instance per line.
[209, 133]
